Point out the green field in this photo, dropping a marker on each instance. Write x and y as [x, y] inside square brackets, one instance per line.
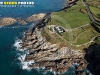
[53, 38]
[84, 37]
[94, 10]
[95, 3]
[77, 31]
[65, 35]
[72, 16]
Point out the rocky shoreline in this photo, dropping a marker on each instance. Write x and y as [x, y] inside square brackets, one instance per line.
[51, 56]
[10, 20]
[7, 21]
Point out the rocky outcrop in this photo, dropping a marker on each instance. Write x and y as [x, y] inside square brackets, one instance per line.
[51, 56]
[9, 21]
[35, 17]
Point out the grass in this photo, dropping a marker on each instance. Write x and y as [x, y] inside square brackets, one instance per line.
[53, 38]
[95, 3]
[84, 11]
[72, 15]
[94, 10]
[65, 35]
[85, 37]
[74, 18]
[77, 31]
[88, 27]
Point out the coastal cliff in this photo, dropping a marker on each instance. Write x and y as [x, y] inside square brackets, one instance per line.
[51, 56]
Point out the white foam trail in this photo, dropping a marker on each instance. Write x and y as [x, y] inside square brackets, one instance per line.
[25, 64]
[22, 58]
[43, 67]
[18, 46]
[53, 71]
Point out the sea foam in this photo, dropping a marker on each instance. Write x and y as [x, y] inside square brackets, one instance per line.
[18, 46]
[25, 64]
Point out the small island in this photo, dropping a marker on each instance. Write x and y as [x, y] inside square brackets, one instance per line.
[11, 20]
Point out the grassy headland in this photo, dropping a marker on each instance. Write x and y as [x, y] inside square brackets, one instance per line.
[72, 15]
[82, 32]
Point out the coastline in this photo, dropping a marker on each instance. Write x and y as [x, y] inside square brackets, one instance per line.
[50, 56]
[41, 53]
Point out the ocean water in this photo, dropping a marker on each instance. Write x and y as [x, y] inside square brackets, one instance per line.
[9, 36]
[38, 7]
[9, 54]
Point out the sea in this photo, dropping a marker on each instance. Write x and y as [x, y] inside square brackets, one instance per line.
[10, 37]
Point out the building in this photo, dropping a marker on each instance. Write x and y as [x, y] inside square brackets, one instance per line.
[59, 29]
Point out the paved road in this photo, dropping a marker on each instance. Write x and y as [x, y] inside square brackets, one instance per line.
[90, 14]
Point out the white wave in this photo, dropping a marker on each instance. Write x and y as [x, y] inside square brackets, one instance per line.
[23, 34]
[75, 65]
[53, 71]
[18, 46]
[13, 27]
[43, 67]
[22, 58]
[25, 64]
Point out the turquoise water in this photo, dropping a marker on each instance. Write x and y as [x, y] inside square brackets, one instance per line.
[9, 63]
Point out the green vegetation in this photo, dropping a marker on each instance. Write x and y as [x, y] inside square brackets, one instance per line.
[53, 38]
[95, 3]
[97, 40]
[84, 11]
[65, 35]
[95, 10]
[72, 15]
[85, 37]
[77, 24]
[77, 31]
